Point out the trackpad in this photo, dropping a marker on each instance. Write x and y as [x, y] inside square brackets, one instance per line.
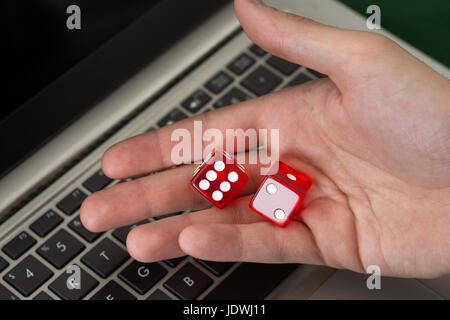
[347, 285]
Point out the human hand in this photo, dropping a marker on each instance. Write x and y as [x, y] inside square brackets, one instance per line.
[375, 136]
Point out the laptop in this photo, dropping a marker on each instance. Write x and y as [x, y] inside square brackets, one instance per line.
[130, 67]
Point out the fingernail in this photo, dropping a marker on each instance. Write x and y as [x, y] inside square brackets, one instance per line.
[258, 3]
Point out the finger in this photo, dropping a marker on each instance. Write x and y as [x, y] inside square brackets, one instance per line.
[297, 39]
[158, 240]
[257, 242]
[152, 151]
[165, 192]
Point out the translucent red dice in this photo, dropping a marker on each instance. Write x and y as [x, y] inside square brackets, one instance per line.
[280, 195]
[219, 178]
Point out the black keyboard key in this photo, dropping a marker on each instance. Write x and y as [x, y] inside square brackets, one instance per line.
[105, 257]
[159, 295]
[28, 275]
[261, 81]
[164, 216]
[72, 202]
[317, 73]
[196, 101]
[299, 79]
[174, 116]
[113, 291]
[60, 248]
[174, 262]
[219, 82]
[142, 276]
[46, 223]
[257, 50]
[188, 282]
[18, 245]
[97, 181]
[251, 281]
[231, 97]
[241, 64]
[86, 285]
[79, 229]
[122, 232]
[3, 264]
[282, 65]
[43, 296]
[217, 268]
[5, 294]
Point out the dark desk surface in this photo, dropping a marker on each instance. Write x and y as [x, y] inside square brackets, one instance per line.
[423, 23]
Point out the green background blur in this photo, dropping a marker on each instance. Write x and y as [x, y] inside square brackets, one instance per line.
[423, 23]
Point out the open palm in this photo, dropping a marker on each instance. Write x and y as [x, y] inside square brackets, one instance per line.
[375, 135]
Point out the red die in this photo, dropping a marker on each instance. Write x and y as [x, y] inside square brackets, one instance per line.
[281, 194]
[219, 178]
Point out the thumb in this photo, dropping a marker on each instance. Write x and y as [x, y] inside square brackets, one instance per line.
[296, 39]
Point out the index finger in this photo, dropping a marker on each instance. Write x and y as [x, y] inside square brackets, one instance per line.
[151, 151]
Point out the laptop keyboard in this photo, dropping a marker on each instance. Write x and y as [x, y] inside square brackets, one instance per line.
[100, 255]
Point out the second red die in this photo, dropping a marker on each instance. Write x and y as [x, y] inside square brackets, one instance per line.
[219, 178]
[281, 194]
